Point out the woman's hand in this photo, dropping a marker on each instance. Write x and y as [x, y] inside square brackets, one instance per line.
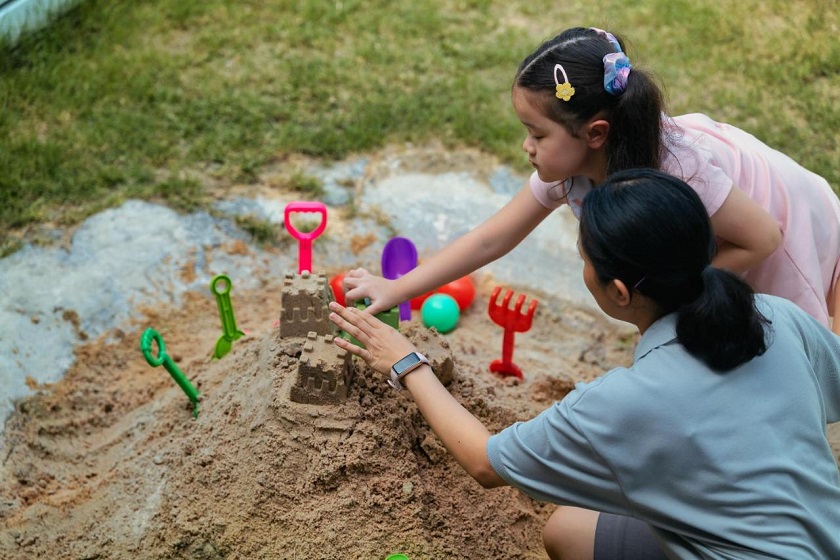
[384, 345]
[359, 284]
[461, 432]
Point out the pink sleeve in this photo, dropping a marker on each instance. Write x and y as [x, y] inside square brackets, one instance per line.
[693, 160]
[546, 193]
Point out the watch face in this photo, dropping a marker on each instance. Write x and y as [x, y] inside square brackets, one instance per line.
[406, 362]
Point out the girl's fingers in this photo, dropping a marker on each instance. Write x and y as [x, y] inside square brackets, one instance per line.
[357, 273]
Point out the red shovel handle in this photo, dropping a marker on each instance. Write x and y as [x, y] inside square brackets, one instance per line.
[305, 238]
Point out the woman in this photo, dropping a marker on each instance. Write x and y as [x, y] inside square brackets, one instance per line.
[711, 445]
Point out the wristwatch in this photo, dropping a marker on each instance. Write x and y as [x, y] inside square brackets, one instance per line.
[404, 367]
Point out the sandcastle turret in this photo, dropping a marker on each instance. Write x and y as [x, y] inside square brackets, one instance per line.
[303, 305]
[324, 372]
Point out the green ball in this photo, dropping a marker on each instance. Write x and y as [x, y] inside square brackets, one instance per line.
[441, 312]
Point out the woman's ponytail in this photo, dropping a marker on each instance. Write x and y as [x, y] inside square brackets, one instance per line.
[651, 231]
[722, 326]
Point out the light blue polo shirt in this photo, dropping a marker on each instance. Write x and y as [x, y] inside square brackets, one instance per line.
[731, 465]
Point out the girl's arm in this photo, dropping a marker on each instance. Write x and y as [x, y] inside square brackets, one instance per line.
[749, 233]
[494, 238]
[463, 435]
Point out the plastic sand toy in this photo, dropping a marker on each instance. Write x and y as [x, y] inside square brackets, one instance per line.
[229, 330]
[512, 320]
[305, 238]
[390, 317]
[150, 335]
[399, 256]
[441, 312]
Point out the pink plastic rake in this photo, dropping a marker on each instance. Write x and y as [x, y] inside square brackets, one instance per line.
[512, 320]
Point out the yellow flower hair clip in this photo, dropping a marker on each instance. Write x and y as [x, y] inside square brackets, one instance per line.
[564, 90]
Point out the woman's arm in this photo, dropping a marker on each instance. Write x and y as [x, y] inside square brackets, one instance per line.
[463, 435]
[494, 238]
[749, 233]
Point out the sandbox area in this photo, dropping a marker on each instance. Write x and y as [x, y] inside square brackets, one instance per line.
[109, 462]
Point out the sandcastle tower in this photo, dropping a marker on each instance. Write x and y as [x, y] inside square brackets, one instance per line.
[303, 305]
[324, 372]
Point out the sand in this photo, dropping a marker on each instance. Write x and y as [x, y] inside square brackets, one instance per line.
[110, 463]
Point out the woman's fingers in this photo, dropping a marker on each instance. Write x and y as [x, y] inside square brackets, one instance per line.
[352, 348]
[355, 322]
[346, 319]
[384, 346]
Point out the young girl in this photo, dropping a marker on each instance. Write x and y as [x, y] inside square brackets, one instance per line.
[667, 450]
[589, 113]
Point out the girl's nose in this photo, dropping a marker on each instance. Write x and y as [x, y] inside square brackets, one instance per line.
[527, 145]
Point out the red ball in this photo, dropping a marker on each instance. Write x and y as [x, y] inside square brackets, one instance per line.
[463, 290]
[335, 284]
[417, 303]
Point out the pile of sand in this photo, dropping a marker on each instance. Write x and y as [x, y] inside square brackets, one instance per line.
[109, 462]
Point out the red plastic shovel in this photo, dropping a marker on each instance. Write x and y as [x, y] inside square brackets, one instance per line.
[305, 238]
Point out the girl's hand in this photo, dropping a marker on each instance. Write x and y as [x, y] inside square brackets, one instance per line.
[384, 345]
[359, 284]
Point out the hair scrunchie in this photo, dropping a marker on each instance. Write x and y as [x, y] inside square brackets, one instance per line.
[616, 69]
[616, 65]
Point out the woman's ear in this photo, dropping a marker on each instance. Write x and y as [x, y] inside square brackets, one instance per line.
[596, 133]
[618, 292]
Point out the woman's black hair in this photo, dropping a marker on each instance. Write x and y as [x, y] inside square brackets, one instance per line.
[651, 231]
[635, 116]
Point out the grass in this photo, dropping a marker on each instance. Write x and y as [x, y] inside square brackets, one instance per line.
[160, 99]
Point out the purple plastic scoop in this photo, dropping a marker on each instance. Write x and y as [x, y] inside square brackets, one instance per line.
[399, 256]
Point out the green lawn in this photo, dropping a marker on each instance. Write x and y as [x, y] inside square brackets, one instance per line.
[156, 98]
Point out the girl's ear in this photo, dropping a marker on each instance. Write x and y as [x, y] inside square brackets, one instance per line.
[596, 133]
[619, 293]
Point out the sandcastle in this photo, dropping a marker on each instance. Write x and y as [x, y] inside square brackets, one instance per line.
[324, 370]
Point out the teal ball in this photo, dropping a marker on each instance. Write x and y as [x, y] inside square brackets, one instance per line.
[441, 312]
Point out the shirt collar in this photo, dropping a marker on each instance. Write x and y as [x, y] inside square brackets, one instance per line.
[662, 331]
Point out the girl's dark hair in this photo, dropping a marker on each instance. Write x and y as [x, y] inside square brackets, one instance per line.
[635, 116]
[651, 231]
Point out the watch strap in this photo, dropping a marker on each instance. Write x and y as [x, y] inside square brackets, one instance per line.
[396, 376]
